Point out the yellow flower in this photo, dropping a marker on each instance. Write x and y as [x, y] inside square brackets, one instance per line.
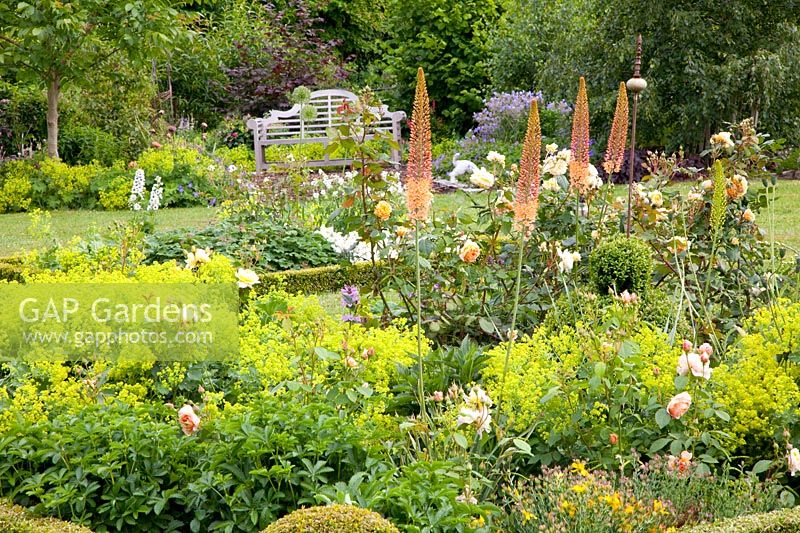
[401, 231]
[527, 516]
[748, 215]
[477, 522]
[580, 468]
[567, 507]
[613, 501]
[383, 210]
[629, 509]
[579, 489]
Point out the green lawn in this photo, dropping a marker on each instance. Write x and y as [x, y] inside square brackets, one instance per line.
[16, 238]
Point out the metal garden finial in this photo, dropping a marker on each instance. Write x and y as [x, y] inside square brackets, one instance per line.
[636, 85]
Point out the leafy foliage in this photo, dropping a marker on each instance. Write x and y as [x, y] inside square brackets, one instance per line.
[448, 40]
[267, 244]
[277, 51]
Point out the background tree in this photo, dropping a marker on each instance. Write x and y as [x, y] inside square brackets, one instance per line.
[449, 40]
[706, 62]
[58, 43]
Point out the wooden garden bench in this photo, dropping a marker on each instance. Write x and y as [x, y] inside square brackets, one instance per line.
[286, 127]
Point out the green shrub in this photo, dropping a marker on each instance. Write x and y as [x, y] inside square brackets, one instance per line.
[58, 185]
[332, 519]
[656, 308]
[780, 521]
[15, 185]
[116, 194]
[242, 157]
[81, 144]
[10, 271]
[185, 172]
[249, 464]
[621, 264]
[15, 519]
[22, 116]
[318, 280]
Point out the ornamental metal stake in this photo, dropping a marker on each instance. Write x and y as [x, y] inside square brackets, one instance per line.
[635, 85]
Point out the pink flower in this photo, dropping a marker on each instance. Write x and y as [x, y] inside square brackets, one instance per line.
[438, 396]
[706, 348]
[189, 420]
[628, 298]
[687, 345]
[694, 362]
[679, 404]
[349, 362]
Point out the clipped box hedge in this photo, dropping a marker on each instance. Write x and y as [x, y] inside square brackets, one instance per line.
[307, 281]
[318, 280]
[781, 521]
[10, 268]
[16, 519]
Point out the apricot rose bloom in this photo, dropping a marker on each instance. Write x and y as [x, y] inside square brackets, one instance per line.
[682, 463]
[470, 251]
[679, 404]
[383, 210]
[722, 139]
[189, 420]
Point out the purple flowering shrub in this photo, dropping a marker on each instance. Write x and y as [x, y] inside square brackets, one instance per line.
[500, 126]
[505, 115]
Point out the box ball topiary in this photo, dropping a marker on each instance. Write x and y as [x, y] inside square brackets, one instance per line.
[332, 519]
[621, 264]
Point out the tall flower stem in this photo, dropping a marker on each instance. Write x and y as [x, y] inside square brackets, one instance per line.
[526, 205]
[420, 381]
[419, 178]
[512, 333]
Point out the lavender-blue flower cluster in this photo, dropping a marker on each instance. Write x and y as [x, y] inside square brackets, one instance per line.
[505, 111]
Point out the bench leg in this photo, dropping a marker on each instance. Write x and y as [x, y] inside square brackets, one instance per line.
[259, 156]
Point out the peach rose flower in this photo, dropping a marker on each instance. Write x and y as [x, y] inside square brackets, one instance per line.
[189, 420]
[679, 404]
[470, 251]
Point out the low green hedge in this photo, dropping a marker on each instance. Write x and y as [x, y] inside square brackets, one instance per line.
[307, 281]
[318, 280]
[15, 519]
[10, 269]
[781, 521]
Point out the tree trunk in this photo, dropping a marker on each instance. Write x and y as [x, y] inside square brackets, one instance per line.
[53, 92]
